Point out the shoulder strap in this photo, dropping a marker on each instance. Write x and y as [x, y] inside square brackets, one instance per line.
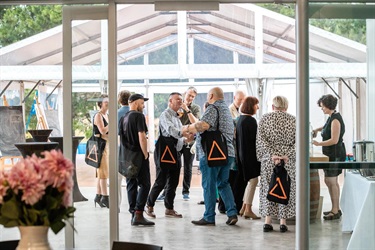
[218, 116]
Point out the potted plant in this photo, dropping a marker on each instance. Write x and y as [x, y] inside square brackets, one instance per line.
[36, 193]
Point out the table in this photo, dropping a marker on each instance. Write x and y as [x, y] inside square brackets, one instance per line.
[29, 148]
[358, 206]
[315, 199]
[77, 195]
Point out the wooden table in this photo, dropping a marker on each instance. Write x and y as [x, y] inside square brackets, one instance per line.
[315, 199]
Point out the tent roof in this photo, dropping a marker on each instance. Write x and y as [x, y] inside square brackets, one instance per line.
[142, 30]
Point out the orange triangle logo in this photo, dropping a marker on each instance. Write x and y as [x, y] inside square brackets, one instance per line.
[93, 153]
[284, 197]
[218, 158]
[170, 156]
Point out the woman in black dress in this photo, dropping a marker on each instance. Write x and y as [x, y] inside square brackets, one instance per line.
[332, 133]
[248, 166]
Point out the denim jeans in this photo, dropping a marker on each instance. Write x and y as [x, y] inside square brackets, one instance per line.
[212, 178]
[137, 198]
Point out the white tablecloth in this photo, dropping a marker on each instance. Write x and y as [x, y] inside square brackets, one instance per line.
[358, 206]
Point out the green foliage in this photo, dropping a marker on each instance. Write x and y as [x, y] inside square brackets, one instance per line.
[22, 21]
[82, 124]
[354, 29]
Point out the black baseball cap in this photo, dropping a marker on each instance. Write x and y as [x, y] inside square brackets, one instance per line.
[135, 97]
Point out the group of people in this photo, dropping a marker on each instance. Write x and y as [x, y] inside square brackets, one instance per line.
[253, 149]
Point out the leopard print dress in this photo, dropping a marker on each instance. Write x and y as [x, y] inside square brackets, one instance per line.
[276, 136]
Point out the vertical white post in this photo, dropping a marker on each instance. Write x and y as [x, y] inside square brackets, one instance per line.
[302, 141]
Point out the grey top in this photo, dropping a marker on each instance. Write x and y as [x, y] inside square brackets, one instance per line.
[195, 110]
[171, 125]
[226, 125]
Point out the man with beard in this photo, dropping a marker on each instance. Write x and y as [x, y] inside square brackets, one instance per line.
[134, 130]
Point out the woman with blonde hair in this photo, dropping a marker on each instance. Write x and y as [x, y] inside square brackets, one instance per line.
[276, 139]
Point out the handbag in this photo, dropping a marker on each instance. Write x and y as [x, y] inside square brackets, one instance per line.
[279, 188]
[94, 151]
[165, 154]
[214, 145]
[130, 161]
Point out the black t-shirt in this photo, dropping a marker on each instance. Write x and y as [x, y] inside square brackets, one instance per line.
[133, 122]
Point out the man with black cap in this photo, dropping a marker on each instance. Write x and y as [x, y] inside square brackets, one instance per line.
[134, 131]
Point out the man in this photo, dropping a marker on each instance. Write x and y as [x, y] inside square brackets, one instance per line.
[134, 130]
[191, 114]
[123, 97]
[170, 126]
[215, 177]
[238, 98]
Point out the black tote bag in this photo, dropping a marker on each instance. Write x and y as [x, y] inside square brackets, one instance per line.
[214, 145]
[279, 189]
[94, 151]
[130, 160]
[165, 154]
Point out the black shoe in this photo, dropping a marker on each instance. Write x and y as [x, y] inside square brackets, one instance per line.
[327, 212]
[332, 216]
[139, 220]
[283, 228]
[104, 201]
[202, 222]
[97, 200]
[222, 211]
[232, 220]
[267, 228]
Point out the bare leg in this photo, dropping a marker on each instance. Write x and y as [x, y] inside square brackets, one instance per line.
[334, 192]
[103, 186]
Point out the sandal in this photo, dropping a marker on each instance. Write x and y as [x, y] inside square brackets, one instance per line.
[332, 216]
[327, 212]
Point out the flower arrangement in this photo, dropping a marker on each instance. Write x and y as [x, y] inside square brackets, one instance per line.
[37, 192]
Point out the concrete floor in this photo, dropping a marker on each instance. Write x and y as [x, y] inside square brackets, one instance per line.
[92, 225]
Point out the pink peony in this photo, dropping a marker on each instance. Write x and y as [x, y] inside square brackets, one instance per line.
[37, 186]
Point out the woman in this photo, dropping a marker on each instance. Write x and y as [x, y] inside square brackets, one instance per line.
[248, 165]
[333, 147]
[275, 142]
[101, 129]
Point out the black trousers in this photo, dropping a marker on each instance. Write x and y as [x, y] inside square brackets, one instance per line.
[164, 176]
[137, 198]
[188, 165]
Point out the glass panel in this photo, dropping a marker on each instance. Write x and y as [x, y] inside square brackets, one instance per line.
[339, 52]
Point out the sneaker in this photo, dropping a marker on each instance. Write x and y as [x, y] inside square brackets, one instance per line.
[172, 213]
[185, 197]
[232, 220]
[203, 222]
[160, 198]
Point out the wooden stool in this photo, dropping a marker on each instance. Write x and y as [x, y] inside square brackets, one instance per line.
[8, 161]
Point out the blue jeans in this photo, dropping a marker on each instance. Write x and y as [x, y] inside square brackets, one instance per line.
[212, 178]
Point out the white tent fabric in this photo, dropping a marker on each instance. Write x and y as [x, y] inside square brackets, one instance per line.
[142, 30]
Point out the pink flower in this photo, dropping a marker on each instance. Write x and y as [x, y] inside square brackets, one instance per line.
[58, 172]
[25, 176]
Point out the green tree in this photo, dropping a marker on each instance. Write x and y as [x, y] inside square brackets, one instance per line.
[22, 21]
[354, 29]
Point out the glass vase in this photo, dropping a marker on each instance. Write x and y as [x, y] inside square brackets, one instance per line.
[33, 238]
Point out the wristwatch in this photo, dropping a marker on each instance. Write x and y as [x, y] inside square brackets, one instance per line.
[188, 112]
